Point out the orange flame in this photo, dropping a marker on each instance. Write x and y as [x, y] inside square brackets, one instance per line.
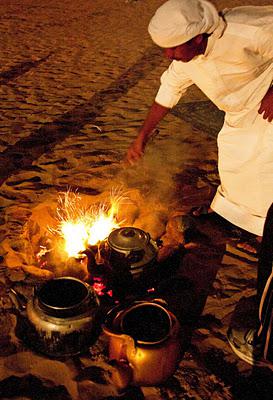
[81, 226]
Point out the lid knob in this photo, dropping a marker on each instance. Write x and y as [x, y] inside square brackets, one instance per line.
[129, 232]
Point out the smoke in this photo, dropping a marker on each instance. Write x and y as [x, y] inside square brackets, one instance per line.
[154, 175]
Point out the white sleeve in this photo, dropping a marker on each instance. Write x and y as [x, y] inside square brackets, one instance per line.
[174, 83]
[265, 44]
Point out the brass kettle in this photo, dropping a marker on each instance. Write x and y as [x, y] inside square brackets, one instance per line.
[144, 342]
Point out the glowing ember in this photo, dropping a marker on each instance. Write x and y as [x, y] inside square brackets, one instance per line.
[100, 288]
[81, 226]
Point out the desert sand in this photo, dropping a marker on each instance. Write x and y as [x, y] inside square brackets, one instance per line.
[77, 79]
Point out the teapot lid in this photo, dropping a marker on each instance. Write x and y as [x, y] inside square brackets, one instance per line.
[128, 238]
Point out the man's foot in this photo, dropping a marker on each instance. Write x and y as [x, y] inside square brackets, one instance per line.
[250, 245]
[245, 346]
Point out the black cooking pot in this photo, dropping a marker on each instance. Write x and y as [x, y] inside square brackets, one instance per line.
[132, 250]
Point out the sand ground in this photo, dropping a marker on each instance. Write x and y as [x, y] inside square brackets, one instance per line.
[77, 79]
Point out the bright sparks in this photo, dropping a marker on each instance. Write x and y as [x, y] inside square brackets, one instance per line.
[101, 228]
[81, 226]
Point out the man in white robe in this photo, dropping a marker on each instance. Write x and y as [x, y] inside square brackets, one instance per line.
[229, 56]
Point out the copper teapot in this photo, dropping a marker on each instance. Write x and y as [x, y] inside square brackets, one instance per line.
[144, 341]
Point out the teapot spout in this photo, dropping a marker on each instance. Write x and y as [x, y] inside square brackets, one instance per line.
[120, 345]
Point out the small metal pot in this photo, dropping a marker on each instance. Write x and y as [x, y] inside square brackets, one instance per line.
[62, 317]
[132, 249]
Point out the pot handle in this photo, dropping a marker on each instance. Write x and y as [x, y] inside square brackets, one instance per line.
[135, 256]
[18, 299]
[160, 301]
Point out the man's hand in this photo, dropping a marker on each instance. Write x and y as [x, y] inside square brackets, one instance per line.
[267, 105]
[135, 151]
[146, 132]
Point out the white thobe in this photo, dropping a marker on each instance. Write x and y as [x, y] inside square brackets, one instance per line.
[235, 73]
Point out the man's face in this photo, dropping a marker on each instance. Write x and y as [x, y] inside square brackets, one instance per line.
[187, 51]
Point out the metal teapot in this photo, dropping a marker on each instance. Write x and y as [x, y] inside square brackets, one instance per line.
[144, 341]
[132, 248]
[61, 318]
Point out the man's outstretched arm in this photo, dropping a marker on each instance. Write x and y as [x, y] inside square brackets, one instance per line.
[154, 116]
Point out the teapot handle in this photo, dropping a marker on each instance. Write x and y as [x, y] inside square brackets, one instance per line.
[18, 299]
[135, 256]
[160, 301]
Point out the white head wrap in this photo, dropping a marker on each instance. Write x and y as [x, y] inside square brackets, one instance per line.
[177, 21]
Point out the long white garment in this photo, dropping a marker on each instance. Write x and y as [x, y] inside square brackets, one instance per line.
[235, 73]
[245, 167]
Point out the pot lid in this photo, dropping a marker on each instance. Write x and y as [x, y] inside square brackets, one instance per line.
[128, 238]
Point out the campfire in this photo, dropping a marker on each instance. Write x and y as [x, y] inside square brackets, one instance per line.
[76, 242]
[90, 242]
[80, 227]
[114, 241]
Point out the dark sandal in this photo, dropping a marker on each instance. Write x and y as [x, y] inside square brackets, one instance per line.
[202, 212]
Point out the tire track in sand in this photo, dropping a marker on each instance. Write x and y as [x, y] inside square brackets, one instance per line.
[21, 155]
